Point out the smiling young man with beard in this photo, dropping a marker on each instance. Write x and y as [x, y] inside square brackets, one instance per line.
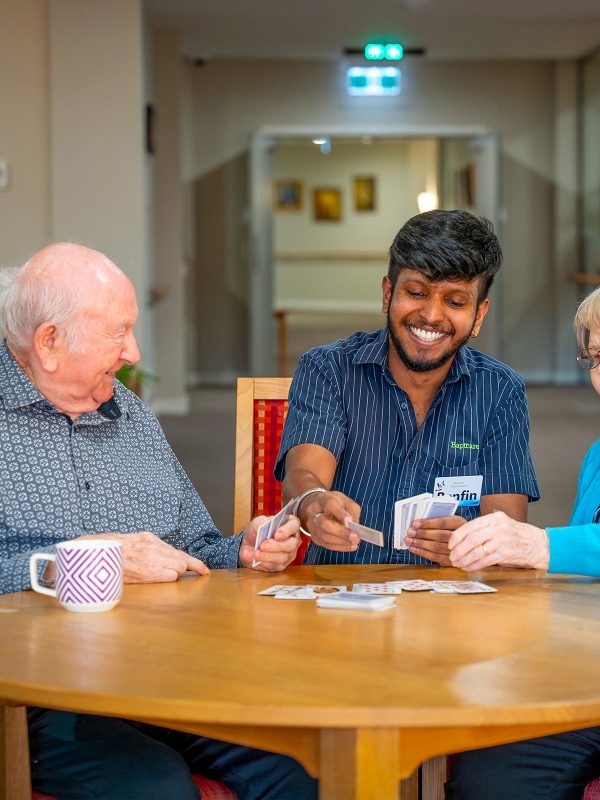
[380, 416]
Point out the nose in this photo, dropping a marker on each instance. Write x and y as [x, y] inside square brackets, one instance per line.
[432, 309]
[130, 353]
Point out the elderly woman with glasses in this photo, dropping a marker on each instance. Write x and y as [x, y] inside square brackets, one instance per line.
[552, 767]
[498, 539]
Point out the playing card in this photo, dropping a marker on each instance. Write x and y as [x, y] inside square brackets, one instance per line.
[443, 506]
[472, 587]
[377, 588]
[316, 589]
[443, 587]
[405, 511]
[268, 528]
[297, 593]
[416, 585]
[366, 534]
[280, 588]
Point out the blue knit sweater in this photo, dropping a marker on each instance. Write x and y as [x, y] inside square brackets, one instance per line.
[576, 547]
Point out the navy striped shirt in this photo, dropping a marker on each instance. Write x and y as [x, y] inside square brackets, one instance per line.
[343, 397]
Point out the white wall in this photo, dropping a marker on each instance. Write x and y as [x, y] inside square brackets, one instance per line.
[96, 104]
[231, 100]
[24, 129]
[72, 131]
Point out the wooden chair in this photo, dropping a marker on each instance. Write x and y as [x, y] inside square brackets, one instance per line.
[260, 416]
[15, 776]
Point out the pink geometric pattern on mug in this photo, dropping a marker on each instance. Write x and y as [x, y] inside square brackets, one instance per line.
[89, 576]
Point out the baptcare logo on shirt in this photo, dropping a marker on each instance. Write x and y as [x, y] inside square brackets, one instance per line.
[464, 446]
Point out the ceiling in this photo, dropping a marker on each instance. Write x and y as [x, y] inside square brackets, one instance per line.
[321, 29]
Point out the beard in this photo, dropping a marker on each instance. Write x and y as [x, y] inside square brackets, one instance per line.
[422, 364]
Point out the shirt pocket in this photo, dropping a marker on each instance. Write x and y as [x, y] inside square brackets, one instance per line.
[432, 468]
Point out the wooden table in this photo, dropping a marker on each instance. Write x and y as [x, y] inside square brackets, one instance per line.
[360, 698]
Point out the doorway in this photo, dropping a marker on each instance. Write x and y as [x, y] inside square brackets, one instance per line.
[322, 219]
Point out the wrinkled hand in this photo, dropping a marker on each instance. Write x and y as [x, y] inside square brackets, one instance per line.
[325, 513]
[429, 537]
[498, 539]
[147, 559]
[274, 554]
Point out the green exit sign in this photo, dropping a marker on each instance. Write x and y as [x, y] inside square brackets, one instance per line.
[378, 51]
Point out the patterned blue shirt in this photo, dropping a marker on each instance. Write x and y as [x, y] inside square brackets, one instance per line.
[110, 472]
[344, 398]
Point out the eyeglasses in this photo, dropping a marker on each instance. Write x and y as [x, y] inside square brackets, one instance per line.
[587, 360]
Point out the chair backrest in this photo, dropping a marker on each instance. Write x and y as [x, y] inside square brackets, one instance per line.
[260, 415]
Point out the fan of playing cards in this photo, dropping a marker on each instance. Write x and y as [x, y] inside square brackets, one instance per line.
[422, 506]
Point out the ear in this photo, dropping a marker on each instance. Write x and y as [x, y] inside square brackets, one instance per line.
[46, 346]
[482, 310]
[387, 290]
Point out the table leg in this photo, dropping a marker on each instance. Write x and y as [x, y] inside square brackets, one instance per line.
[15, 777]
[361, 764]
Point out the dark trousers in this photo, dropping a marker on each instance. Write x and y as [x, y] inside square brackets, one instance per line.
[550, 768]
[83, 757]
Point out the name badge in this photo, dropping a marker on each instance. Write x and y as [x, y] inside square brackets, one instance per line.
[466, 489]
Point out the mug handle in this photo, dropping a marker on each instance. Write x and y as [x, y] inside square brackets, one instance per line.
[35, 584]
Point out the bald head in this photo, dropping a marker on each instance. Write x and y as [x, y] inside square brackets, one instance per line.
[61, 284]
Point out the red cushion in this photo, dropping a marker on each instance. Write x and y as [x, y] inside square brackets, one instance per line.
[211, 790]
[269, 417]
[592, 790]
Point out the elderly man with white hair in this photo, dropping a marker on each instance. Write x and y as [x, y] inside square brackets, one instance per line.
[81, 455]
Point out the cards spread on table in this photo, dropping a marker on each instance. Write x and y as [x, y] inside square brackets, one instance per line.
[366, 534]
[268, 528]
[312, 591]
[421, 506]
[356, 601]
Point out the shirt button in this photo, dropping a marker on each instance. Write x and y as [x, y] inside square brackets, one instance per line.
[87, 486]
[404, 406]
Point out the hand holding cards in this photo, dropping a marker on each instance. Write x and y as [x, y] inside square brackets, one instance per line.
[422, 506]
[267, 529]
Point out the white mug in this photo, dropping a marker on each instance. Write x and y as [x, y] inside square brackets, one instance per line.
[89, 574]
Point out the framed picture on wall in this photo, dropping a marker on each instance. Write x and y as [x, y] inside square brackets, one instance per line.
[364, 193]
[288, 195]
[327, 204]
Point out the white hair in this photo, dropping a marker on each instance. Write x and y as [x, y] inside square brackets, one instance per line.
[25, 304]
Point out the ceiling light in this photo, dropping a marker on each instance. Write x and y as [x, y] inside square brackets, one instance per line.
[427, 201]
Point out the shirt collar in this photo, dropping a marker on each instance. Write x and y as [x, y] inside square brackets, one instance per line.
[18, 391]
[15, 387]
[376, 352]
